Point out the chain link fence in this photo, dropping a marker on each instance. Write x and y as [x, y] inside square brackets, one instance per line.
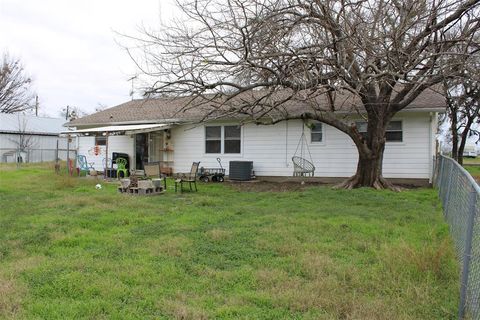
[35, 155]
[460, 196]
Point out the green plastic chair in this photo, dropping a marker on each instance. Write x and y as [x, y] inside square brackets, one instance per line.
[121, 167]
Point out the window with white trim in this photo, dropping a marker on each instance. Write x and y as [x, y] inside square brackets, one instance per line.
[213, 139]
[100, 140]
[394, 132]
[223, 139]
[231, 142]
[316, 132]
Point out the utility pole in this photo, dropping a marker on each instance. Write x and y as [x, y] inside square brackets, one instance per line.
[67, 113]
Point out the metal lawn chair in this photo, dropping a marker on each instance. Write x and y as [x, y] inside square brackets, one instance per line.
[189, 177]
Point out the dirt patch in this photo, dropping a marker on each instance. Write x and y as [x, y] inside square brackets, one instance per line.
[11, 294]
[288, 186]
[266, 186]
[407, 186]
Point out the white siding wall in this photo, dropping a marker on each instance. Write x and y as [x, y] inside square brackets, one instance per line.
[411, 158]
[122, 144]
[272, 147]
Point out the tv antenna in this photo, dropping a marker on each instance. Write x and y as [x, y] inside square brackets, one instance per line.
[132, 79]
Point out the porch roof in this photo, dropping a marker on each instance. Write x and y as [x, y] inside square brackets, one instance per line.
[129, 129]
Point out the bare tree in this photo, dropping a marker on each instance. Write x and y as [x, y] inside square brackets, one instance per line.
[16, 94]
[261, 58]
[463, 110]
[71, 113]
[462, 93]
[24, 141]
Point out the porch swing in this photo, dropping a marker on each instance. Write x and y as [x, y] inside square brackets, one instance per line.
[301, 166]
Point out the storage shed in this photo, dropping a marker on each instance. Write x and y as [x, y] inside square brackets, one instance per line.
[28, 138]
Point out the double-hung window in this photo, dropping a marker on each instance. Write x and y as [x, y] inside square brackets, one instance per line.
[394, 132]
[223, 139]
[213, 139]
[231, 142]
[316, 132]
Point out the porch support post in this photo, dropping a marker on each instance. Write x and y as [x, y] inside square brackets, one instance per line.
[68, 155]
[106, 156]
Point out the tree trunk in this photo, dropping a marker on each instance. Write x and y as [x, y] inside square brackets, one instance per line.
[470, 119]
[460, 155]
[368, 174]
[370, 160]
[454, 132]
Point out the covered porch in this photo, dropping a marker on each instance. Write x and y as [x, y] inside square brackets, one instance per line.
[139, 144]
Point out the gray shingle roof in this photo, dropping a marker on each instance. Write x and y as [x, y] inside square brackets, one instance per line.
[157, 110]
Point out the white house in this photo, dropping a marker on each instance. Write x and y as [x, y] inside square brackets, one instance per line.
[470, 149]
[155, 130]
[29, 138]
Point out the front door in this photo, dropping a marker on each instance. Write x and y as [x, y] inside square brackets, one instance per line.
[141, 150]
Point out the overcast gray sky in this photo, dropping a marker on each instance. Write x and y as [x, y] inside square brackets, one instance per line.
[69, 48]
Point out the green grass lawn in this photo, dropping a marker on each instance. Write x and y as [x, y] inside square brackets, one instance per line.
[69, 251]
[467, 160]
[472, 165]
[473, 170]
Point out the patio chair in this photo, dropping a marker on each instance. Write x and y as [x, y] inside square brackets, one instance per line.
[83, 166]
[121, 167]
[189, 177]
[152, 170]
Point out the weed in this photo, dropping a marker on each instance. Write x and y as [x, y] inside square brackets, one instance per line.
[65, 182]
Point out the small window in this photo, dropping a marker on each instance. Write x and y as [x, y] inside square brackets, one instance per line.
[316, 132]
[362, 127]
[213, 139]
[100, 140]
[232, 139]
[394, 132]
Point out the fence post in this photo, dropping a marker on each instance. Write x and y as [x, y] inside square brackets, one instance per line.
[447, 194]
[17, 154]
[441, 172]
[438, 171]
[472, 202]
[68, 154]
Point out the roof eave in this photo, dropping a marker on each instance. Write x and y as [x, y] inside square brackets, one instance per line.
[434, 109]
[31, 133]
[114, 123]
